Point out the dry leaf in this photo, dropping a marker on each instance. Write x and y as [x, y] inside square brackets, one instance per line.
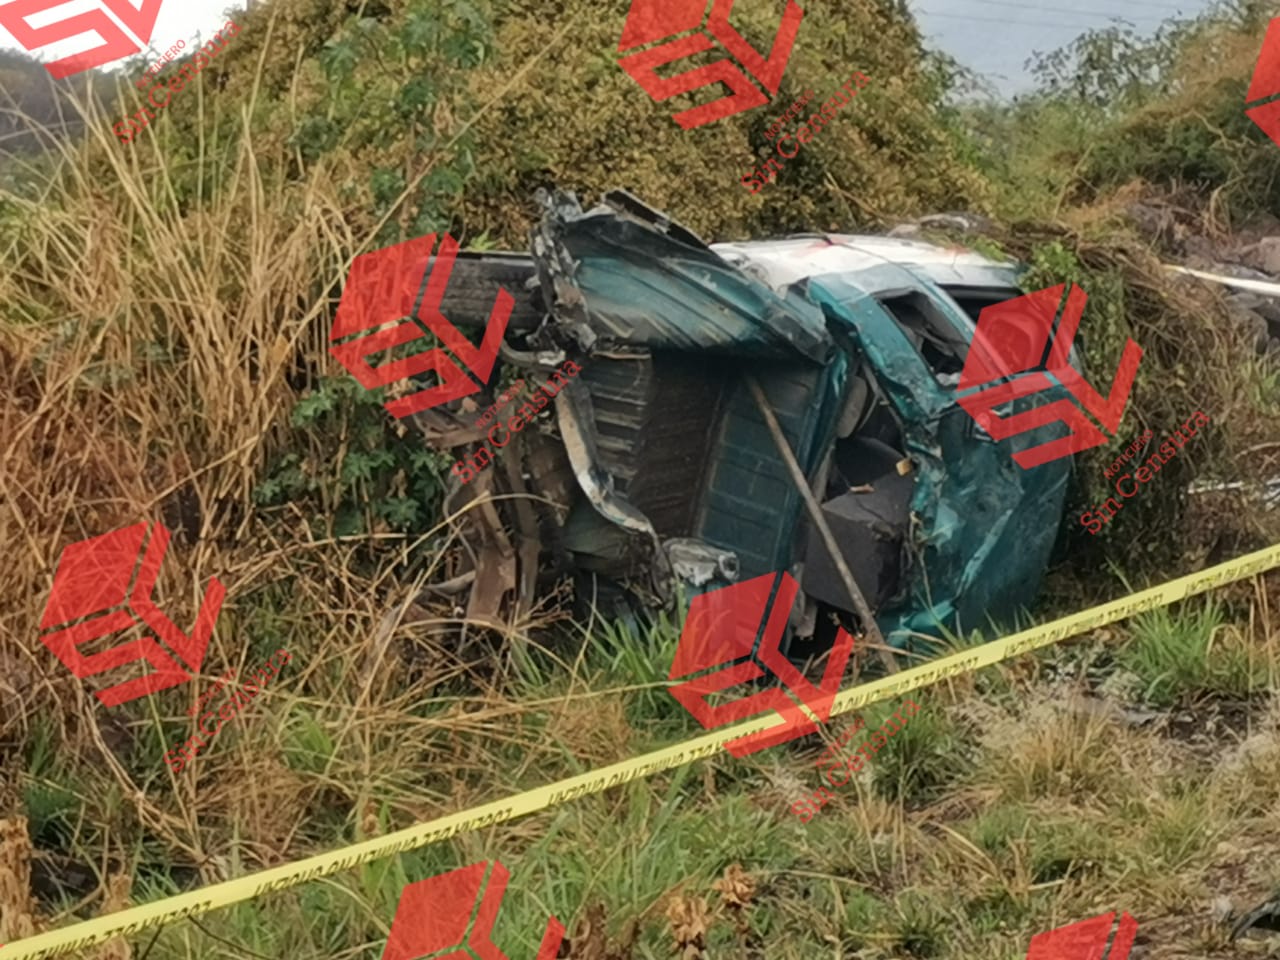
[16, 909]
[369, 825]
[688, 916]
[736, 887]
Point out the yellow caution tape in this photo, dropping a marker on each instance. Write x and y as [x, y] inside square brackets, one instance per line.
[126, 922]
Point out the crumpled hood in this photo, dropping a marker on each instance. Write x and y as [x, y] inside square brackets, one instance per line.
[624, 273]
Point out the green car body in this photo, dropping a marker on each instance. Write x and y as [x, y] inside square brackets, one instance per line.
[856, 343]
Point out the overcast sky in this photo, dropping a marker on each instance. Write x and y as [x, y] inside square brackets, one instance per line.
[994, 37]
[178, 20]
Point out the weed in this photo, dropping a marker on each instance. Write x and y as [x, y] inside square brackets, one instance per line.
[922, 927]
[1180, 831]
[920, 761]
[1177, 658]
[358, 471]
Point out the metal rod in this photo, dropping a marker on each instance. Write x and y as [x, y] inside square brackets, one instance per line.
[828, 539]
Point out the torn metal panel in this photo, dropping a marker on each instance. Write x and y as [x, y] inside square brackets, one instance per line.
[982, 527]
[494, 556]
[630, 283]
[669, 473]
[626, 545]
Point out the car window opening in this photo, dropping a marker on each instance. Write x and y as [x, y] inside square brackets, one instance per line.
[867, 492]
[942, 348]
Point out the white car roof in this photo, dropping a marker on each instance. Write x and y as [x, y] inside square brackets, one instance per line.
[782, 262]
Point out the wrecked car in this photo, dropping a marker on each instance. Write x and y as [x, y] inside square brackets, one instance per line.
[708, 374]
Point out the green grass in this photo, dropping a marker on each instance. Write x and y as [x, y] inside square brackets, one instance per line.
[959, 839]
[1181, 656]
